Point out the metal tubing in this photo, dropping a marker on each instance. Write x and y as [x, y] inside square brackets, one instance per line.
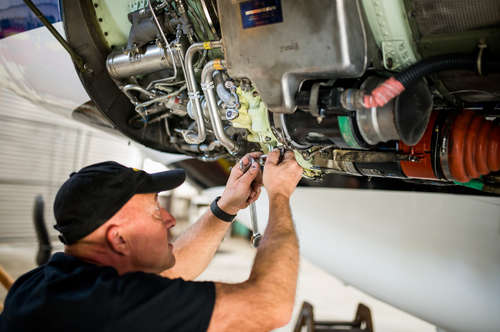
[189, 135]
[208, 89]
[138, 88]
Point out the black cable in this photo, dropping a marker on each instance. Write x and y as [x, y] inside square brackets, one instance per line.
[444, 62]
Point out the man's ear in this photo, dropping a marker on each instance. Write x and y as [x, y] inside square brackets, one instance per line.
[116, 240]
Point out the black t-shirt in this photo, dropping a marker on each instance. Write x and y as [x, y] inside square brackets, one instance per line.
[68, 294]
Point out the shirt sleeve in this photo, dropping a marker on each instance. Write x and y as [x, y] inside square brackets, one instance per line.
[148, 302]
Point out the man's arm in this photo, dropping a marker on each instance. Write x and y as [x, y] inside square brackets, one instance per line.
[195, 248]
[265, 301]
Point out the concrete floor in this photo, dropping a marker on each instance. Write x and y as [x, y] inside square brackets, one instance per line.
[332, 300]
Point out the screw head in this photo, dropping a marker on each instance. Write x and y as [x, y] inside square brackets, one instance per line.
[232, 114]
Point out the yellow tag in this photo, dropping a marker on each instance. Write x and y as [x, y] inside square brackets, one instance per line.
[137, 170]
[206, 45]
[218, 65]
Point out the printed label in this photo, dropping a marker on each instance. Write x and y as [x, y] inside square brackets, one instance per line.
[260, 12]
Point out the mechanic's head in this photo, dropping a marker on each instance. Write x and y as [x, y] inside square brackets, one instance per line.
[109, 213]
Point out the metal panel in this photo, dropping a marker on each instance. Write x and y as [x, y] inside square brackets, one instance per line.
[312, 39]
[38, 150]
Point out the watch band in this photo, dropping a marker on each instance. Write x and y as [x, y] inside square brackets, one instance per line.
[219, 213]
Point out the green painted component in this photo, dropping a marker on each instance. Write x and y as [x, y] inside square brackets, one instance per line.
[307, 166]
[254, 116]
[112, 19]
[346, 131]
[389, 23]
[473, 184]
[463, 42]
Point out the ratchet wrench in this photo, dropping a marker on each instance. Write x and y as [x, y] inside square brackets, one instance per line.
[256, 236]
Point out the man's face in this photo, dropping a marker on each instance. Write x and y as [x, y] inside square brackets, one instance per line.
[147, 232]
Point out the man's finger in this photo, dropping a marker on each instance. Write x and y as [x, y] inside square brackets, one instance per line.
[254, 196]
[259, 181]
[273, 157]
[251, 174]
[237, 172]
[289, 155]
[254, 155]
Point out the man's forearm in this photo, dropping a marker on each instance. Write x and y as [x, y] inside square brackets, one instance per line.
[195, 248]
[276, 263]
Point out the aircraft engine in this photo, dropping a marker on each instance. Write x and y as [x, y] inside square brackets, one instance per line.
[364, 88]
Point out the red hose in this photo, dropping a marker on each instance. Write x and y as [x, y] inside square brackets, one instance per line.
[382, 94]
[475, 147]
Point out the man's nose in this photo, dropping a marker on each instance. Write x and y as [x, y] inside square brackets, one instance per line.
[168, 219]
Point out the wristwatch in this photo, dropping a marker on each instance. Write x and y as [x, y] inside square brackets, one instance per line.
[219, 213]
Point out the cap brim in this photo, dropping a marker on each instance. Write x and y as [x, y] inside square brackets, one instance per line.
[162, 181]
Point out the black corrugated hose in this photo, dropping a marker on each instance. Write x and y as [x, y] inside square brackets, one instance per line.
[445, 62]
[394, 86]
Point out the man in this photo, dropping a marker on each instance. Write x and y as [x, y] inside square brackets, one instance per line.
[119, 272]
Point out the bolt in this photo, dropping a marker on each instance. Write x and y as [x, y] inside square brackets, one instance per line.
[268, 139]
[389, 62]
[229, 85]
[306, 155]
[232, 114]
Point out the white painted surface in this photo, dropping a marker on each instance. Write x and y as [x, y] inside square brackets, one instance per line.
[436, 256]
[34, 65]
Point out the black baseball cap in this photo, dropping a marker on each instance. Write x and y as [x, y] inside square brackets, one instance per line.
[95, 193]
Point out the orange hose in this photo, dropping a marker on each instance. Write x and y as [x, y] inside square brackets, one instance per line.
[475, 147]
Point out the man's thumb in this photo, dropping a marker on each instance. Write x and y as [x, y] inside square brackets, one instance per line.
[252, 172]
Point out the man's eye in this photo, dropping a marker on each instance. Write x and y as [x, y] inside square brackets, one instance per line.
[157, 212]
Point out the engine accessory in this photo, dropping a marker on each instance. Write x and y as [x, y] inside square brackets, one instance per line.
[305, 131]
[338, 48]
[404, 118]
[126, 64]
[208, 90]
[190, 136]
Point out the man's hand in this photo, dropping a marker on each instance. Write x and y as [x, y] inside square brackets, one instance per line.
[281, 179]
[242, 188]
[265, 301]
